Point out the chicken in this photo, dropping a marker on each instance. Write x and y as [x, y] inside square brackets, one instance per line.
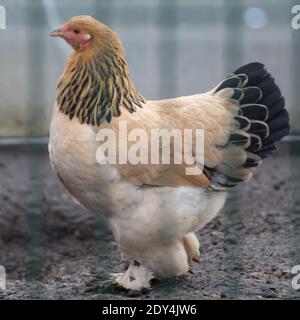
[154, 209]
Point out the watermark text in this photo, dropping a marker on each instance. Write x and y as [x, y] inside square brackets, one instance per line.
[2, 18]
[296, 17]
[154, 146]
[296, 279]
[2, 278]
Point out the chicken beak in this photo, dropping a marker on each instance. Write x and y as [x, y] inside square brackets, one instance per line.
[56, 33]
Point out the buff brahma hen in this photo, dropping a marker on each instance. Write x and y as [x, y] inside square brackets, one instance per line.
[154, 209]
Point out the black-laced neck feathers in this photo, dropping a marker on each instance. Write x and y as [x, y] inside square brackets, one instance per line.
[96, 84]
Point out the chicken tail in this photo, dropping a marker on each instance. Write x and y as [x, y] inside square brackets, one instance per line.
[261, 121]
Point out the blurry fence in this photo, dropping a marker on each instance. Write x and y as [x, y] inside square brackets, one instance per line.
[173, 48]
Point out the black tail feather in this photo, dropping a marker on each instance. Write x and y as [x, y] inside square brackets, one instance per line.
[261, 104]
[272, 126]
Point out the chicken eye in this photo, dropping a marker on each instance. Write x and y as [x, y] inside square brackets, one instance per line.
[76, 31]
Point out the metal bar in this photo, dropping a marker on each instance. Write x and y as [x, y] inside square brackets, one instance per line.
[36, 238]
[233, 236]
[168, 43]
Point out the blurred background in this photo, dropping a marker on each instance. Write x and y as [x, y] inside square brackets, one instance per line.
[174, 47]
[52, 248]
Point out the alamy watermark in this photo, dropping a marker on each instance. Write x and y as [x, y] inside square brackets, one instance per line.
[296, 279]
[296, 17]
[2, 278]
[154, 146]
[2, 18]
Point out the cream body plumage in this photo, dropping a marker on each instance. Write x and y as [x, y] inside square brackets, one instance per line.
[154, 209]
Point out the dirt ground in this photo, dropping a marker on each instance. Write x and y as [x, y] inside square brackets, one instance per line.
[52, 249]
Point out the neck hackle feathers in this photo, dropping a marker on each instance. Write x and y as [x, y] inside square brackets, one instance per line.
[96, 83]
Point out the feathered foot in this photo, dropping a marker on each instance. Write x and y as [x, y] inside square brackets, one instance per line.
[136, 278]
[192, 247]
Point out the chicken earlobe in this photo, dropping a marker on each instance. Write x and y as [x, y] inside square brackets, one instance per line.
[95, 89]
